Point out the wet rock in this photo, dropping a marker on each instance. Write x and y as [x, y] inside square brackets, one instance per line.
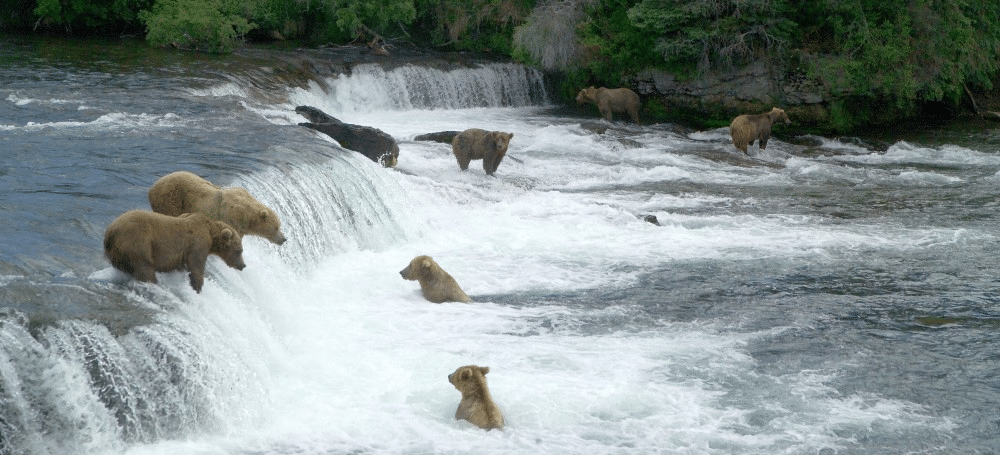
[371, 142]
[443, 137]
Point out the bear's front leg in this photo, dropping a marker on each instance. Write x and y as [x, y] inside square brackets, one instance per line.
[196, 269]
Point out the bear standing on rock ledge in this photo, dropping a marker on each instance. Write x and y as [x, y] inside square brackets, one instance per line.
[141, 243]
[184, 192]
[611, 100]
[748, 128]
[477, 144]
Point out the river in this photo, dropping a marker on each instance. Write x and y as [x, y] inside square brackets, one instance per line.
[826, 295]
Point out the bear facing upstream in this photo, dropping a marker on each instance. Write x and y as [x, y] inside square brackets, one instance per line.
[748, 128]
[184, 192]
[141, 243]
[435, 284]
[477, 144]
[611, 100]
[477, 405]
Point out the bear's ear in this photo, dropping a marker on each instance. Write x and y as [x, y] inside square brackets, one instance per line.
[263, 215]
[465, 375]
[426, 263]
[227, 233]
[484, 370]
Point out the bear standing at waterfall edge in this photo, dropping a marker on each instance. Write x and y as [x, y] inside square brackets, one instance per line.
[141, 243]
[477, 144]
[184, 192]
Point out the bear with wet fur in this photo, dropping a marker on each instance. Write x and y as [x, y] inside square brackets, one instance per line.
[611, 100]
[478, 144]
[477, 405]
[141, 243]
[748, 128]
[435, 284]
[184, 192]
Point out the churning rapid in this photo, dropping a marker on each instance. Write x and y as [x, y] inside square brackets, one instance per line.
[821, 296]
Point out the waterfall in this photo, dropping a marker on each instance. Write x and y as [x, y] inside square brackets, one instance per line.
[95, 365]
[371, 88]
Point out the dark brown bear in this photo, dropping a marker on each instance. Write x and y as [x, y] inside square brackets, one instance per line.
[748, 128]
[477, 144]
[184, 192]
[611, 100]
[141, 243]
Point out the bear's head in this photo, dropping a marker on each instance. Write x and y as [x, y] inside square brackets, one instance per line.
[267, 225]
[420, 267]
[778, 114]
[500, 141]
[587, 95]
[468, 378]
[227, 244]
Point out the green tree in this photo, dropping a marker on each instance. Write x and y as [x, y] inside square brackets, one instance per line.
[90, 16]
[207, 25]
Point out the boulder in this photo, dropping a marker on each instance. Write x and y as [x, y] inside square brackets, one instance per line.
[371, 142]
[443, 137]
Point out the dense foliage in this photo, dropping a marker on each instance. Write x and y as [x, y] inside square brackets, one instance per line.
[875, 57]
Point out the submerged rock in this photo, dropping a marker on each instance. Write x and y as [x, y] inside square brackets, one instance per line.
[443, 137]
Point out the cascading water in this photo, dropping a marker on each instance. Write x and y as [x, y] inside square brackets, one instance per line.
[747, 321]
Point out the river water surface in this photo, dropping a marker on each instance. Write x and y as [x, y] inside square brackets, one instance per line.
[822, 296]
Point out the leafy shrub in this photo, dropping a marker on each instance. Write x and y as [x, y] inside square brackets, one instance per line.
[206, 25]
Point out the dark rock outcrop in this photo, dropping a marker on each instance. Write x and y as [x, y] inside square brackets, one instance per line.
[746, 90]
[443, 137]
[371, 142]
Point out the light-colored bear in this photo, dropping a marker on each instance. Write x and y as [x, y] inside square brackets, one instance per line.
[184, 192]
[611, 100]
[142, 243]
[477, 405]
[436, 284]
[477, 144]
[748, 128]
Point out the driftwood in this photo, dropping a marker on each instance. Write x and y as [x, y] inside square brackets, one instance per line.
[988, 115]
[377, 43]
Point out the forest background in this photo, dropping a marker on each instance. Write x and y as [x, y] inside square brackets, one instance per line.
[871, 62]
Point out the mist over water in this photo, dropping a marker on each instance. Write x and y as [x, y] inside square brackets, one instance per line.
[822, 295]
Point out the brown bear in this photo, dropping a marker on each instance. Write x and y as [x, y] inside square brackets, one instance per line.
[436, 284]
[748, 128]
[610, 100]
[477, 405]
[142, 243]
[477, 144]
[184, 192]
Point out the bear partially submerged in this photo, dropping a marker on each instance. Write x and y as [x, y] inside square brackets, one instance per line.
[141, 243]
[477, 405]
[611, 100]
[748, 128]
[184, 192]
[436, 285]
[478, 144]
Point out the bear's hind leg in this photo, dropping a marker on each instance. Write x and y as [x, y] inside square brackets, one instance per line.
[144, 273]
